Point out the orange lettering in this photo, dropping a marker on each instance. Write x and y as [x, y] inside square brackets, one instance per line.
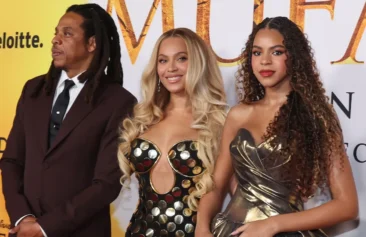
[203, 25]
[258, 11]
[134, 46]
[350, 56]
[298, 7]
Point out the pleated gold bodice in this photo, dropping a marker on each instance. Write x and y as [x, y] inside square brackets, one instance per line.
[262, 191]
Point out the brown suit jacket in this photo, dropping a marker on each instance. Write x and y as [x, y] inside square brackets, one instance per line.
[69, 186]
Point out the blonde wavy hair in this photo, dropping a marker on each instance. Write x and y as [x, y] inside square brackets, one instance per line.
[205, 90]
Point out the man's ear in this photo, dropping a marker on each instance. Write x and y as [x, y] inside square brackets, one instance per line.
[91, 44]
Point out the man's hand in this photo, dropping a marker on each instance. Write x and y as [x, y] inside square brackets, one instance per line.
[28, 227]
[24, 220]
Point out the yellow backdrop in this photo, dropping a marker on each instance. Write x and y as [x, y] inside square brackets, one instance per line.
[17, 65]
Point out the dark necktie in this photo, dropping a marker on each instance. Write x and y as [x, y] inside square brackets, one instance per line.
[59, 110]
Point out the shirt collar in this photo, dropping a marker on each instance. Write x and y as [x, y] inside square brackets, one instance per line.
[75, 79]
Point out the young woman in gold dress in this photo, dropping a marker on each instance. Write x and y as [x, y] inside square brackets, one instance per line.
[282, 143]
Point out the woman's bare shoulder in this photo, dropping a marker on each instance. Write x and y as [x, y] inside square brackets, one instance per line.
[240, 113]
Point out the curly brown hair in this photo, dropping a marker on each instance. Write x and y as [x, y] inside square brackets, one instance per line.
[307, 121]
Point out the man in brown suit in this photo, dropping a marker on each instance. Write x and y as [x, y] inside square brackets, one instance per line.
[60, 169]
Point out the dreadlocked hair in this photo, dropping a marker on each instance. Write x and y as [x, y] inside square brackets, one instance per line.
[97, 23]
[307, 122]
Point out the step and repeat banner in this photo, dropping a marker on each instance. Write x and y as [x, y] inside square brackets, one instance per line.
[335, 28]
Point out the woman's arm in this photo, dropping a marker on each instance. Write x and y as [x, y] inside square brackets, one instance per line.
[233, 185]
[343, 206]
[210, 203]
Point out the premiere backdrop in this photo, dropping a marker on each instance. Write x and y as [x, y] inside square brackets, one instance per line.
[335, 28]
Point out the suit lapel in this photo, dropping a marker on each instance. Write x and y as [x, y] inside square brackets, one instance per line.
[78, 111]
[42, 111]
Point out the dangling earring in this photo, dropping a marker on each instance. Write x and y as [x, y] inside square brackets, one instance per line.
[159, 85]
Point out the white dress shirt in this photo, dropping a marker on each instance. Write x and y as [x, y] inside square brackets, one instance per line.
[74, 91]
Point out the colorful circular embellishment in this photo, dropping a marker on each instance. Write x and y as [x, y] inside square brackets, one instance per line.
[183, 158]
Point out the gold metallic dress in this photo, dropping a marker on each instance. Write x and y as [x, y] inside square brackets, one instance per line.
[261, 191]
[164, 214]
